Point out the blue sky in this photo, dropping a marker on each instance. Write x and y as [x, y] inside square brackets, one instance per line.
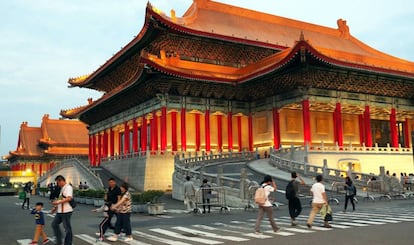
[45, 42]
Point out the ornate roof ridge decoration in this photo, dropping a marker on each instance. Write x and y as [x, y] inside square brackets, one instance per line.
[78, 80]
[73, 113]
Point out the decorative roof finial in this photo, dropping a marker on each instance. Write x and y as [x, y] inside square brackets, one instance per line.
[343, 28]
[302, 36]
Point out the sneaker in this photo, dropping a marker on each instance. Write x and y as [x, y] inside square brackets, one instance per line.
[100, 239]
[293, 224]
[45, 241]
[258, 233]
[113, 238]
[97, 233]
[309, 226]
[32, 243]
[128, 239]
[327, 226]
[277, 229]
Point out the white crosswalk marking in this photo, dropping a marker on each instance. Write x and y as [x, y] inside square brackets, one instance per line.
[209, 234]
[158, 239]
[298, 230]
[183, 237]
[243, 230]
[90, 239]
[347, 224]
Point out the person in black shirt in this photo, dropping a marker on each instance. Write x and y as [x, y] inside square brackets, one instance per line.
[112, 196]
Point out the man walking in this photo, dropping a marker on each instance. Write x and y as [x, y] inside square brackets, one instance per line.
[319, 200]
[189, 194]
[63, 211]
[295, 207]
[269, 186]
[112, 197]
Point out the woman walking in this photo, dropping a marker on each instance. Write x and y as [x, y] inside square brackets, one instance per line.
[350, 192]
[123, 221]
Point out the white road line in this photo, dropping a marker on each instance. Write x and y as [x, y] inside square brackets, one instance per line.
[24, 241]
[298, 230]
[259, 236]
[368, 222]
[209, 234]
[90, 239]
[280, 233]
[183, 237]
[233, 226]
[158, 239]
[348, 224]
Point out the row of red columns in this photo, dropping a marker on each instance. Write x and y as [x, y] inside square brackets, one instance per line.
[102, 144]
[99, 144]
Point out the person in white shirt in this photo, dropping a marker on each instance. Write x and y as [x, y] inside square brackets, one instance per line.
[189, 194]
[319, 200]
[63, 211]
[270, 186]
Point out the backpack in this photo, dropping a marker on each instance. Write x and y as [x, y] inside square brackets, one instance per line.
[260, 196]
[290, 190]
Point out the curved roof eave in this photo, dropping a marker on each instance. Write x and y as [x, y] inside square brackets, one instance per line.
[113, 92]
[85, 82]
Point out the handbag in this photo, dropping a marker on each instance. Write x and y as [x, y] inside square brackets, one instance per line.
[328, 217]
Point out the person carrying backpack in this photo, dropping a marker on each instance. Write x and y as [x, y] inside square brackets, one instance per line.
[350, 192]
[295, 207]
[269, 186]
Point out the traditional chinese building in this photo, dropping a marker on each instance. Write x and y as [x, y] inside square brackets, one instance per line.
[40, 148]
[225, 78]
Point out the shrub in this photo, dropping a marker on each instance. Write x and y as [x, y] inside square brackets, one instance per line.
[150, 196]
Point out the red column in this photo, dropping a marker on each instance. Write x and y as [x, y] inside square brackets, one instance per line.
[144, 128]
[183, 132]
[120, 144]
[361, 129]
[135, 135]
[112, 142]
[99, 150]
[276, 128]
[207, 129]
[126, 138]
[163, 128]
[105, 144]
[393, 128]
[230, 130]
[250, 131]
[335, 123]
[306, 122]
[90, 150]
[155, 124]
[406, 134]
[220, 132]
[339, 131]
[153, 133]
[239, 133]
[367, 127]
[93, 151]
[197, 131]
[174, 130]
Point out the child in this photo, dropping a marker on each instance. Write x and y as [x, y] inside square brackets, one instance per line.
[103, 226]
[40, 223]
